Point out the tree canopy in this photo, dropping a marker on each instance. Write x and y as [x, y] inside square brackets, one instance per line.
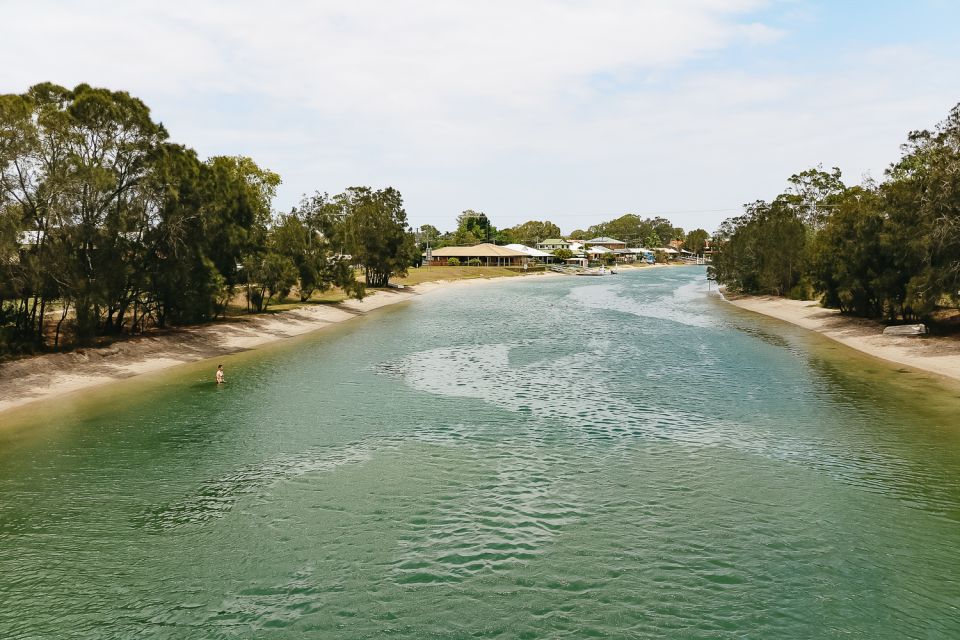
[376, 234]
[106, 226]
[889, 249]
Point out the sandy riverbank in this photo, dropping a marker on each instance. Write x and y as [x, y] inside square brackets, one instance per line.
[38, 378]
[937, 355]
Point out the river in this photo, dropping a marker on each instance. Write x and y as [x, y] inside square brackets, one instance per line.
[537, 458]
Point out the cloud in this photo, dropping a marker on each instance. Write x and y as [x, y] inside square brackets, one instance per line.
[573, 108]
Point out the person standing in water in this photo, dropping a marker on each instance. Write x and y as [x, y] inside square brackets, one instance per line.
[219, 374]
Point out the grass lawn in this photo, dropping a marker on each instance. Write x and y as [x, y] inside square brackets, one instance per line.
[430, 274]
[237, 306]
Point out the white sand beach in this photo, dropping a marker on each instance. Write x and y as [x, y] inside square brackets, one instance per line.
[939, 355]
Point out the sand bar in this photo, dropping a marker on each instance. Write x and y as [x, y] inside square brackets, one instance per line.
[939, 355]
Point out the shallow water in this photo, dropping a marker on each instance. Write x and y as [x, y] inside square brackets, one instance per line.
[567, 457]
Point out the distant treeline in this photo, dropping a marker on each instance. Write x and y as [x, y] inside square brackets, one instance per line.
[106, 226]
[886, 250]
[474, 227]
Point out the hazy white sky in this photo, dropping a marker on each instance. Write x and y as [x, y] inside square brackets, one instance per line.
[570, 110]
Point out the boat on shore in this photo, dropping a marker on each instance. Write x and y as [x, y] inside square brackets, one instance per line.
[602, 271]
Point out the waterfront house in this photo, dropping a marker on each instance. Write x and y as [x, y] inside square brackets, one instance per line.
[597, 253]
[552, 244]
[489, 255]
[534, 254]
[646, 255]
[608, 243]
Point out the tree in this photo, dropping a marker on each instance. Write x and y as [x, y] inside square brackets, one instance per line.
[629, 228]
[376, 233]
[428, 235]
[120, 228]
[237, 207]
[850, 264]
[765, 250]
[270, 274]
[563, 254]
[307, 237]
[923, 194]
[811, 192]
[665, 231]
[81, 158]
[533, 231]
[473, 227]
[696, 240]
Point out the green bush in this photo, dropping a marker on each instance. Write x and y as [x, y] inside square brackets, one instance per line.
[474, 262]
[453, 262]
[803, 290]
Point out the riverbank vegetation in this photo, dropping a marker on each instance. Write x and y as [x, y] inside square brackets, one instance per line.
[108, 227]
[888, 250]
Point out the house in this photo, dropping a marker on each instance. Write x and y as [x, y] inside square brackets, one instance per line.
[489, 255]
[552, 244]
[533, 254]
[646, 255]
[609, 243]
[597, 251]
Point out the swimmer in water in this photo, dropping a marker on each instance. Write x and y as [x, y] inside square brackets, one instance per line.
[219, 374]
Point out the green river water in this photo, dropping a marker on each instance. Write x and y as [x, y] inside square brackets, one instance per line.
[622, 457]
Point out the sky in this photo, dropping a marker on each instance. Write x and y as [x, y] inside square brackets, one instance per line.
[574, 111]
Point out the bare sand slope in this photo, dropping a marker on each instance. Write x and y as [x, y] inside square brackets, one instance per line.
[934, 354]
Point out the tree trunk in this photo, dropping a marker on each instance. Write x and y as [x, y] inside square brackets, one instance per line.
[43, 311]
[63, 316]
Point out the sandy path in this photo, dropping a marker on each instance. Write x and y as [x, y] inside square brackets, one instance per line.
[934, 354]
[41, 377]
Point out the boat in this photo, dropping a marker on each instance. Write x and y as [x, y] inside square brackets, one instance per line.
[597, 272]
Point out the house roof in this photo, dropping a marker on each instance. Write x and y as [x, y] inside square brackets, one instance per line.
[29, 237]
[605, 240]
[598, 250]
[530, 251]
[554, 241]
[485, 250]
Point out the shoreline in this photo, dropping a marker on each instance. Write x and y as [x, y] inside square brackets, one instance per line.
[34, 379]
[931, 354]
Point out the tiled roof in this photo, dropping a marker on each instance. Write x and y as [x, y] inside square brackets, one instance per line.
[485, 250]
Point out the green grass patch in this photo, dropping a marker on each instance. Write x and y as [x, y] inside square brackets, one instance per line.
[430, 274]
